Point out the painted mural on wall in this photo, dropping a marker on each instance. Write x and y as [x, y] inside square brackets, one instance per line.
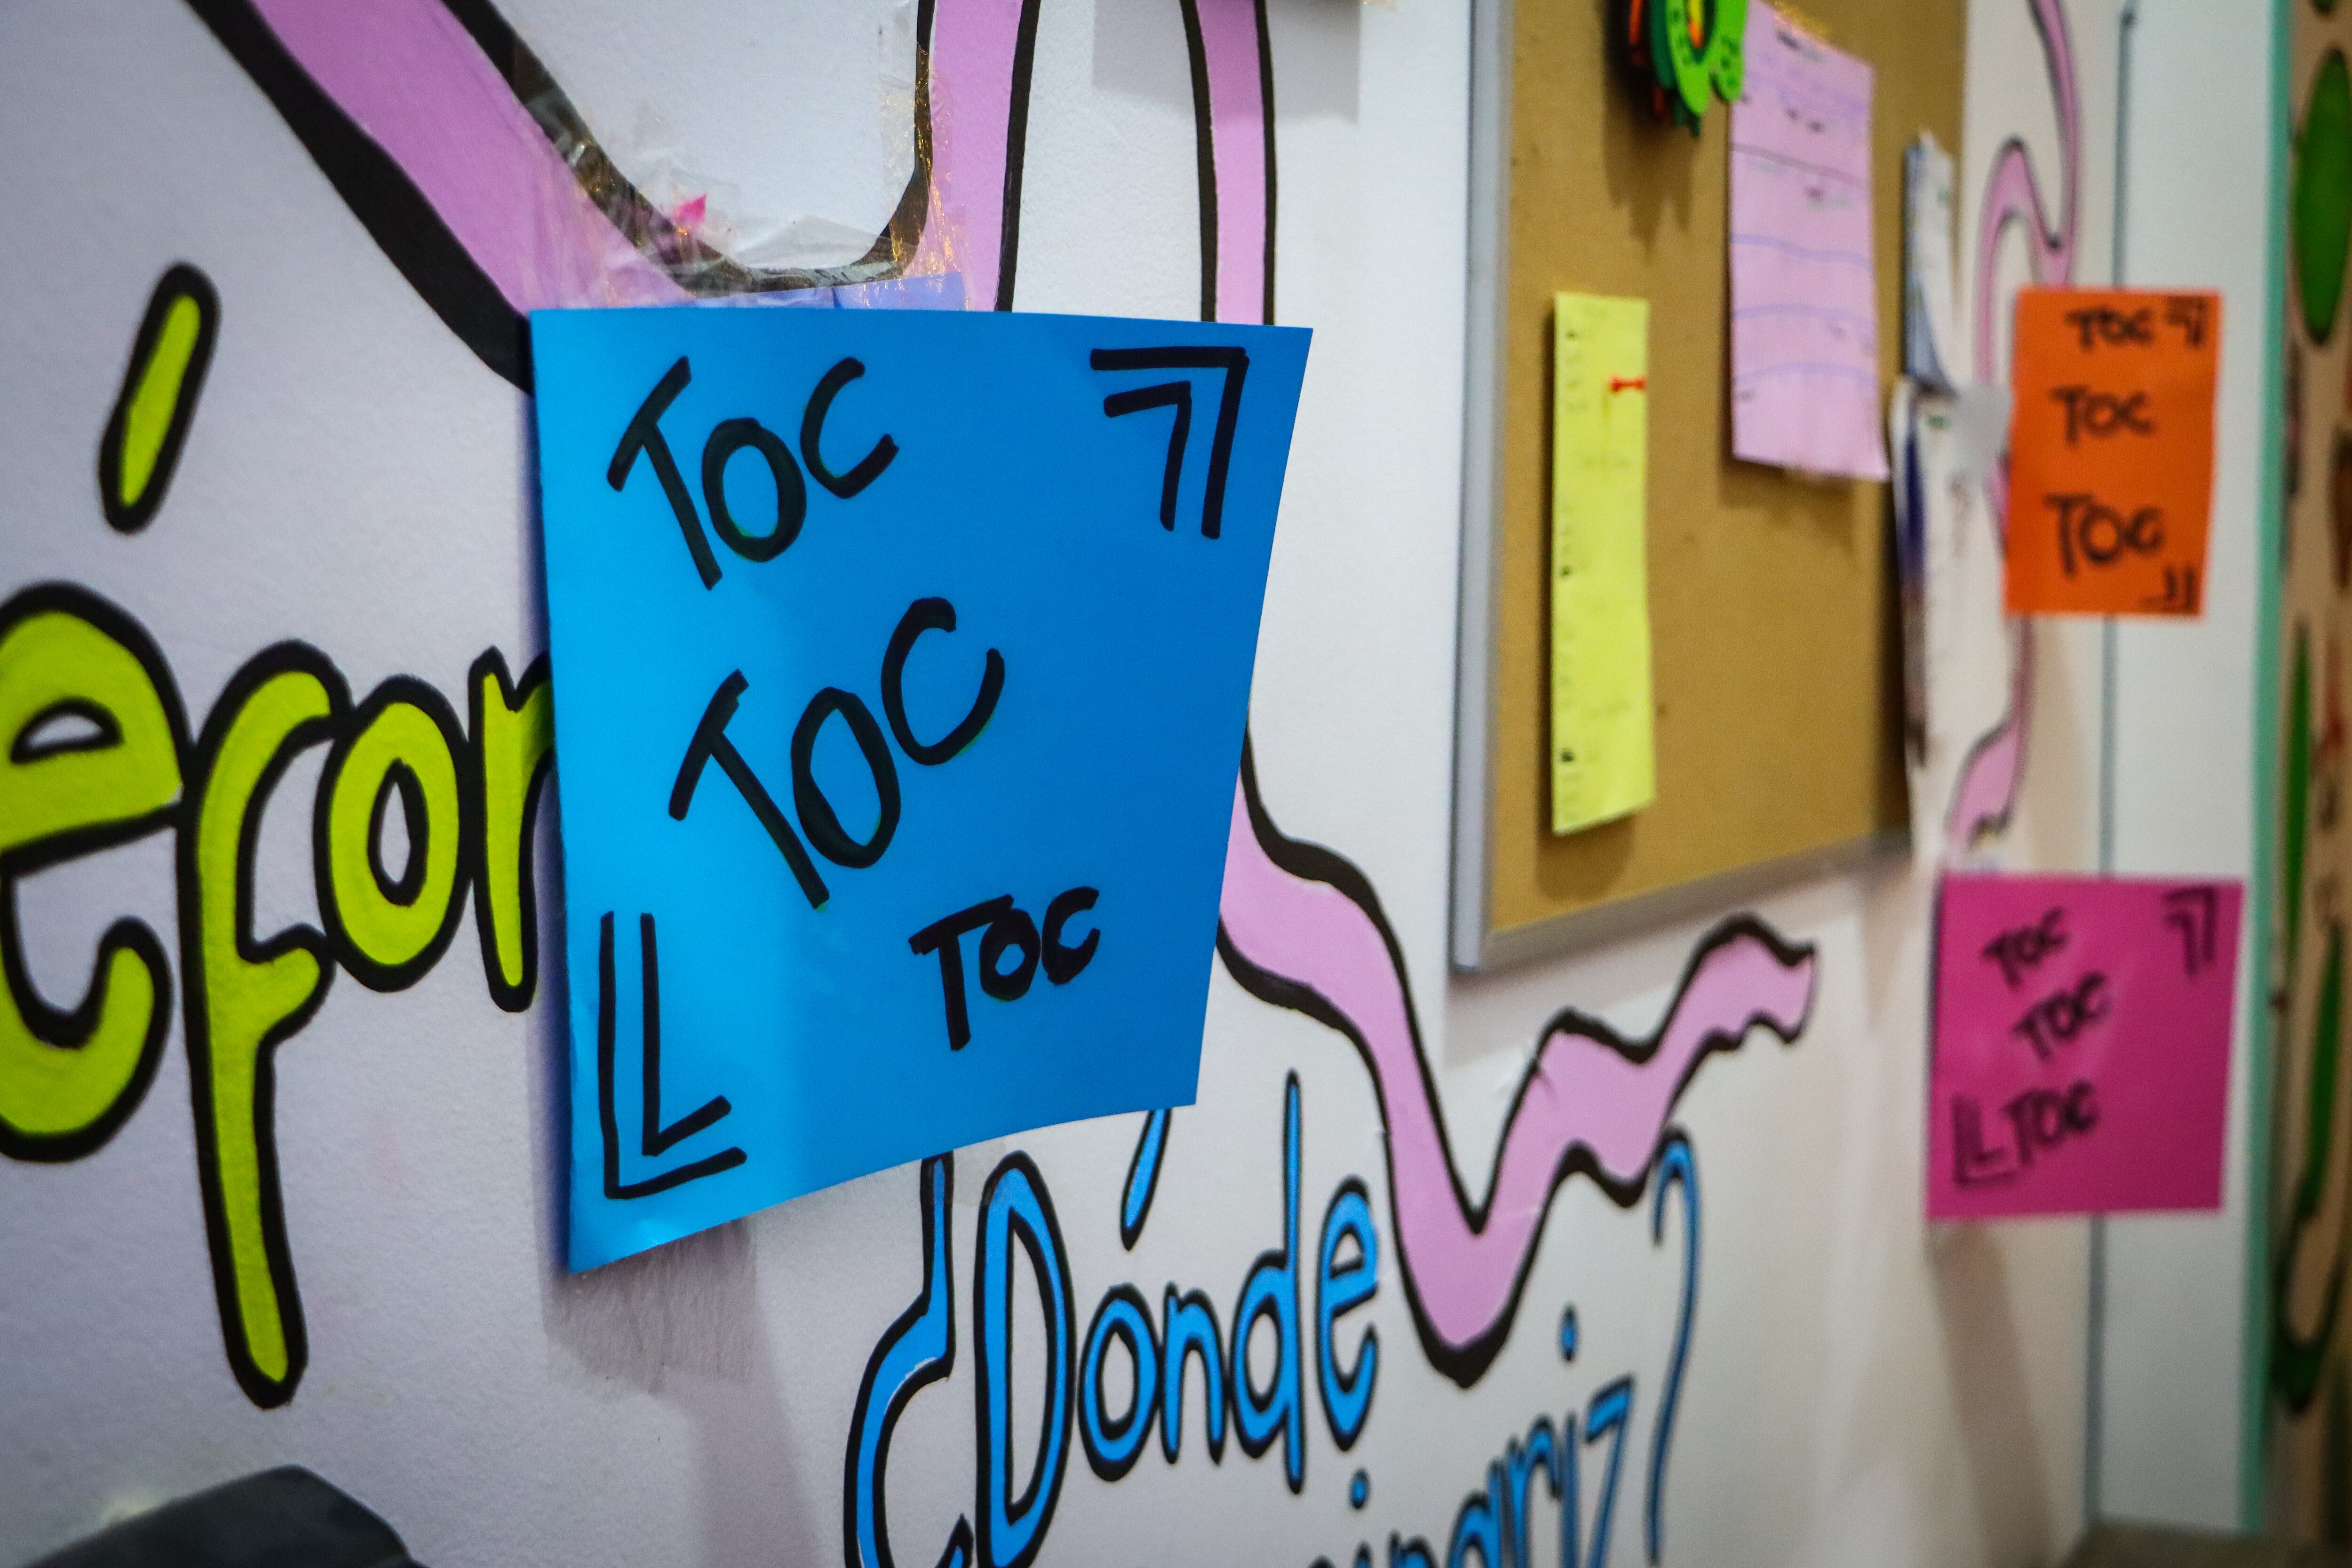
[478, 180]
[2310, 1375]
[1991, 775]
[473, 174]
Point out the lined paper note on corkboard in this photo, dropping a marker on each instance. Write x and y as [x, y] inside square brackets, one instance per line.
[1776, 680]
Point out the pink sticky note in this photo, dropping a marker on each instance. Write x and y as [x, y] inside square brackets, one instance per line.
[1805, 390]
[2082, 1050]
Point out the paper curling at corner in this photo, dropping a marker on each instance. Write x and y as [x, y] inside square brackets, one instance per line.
[925, 612]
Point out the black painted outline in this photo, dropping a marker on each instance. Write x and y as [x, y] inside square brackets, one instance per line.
[819, 822]
[400, 783]
[1315, 863]
[53, 1026]
[1100, 1330]
[363, 966]
[1058, 1354]
[936, 1195]
[1278, 1261]
[1134, 1210]
[415, 239]
[180, 281]
[1266, 120]
[1366, 1370]
[1016, 146]
[491, 665]
[379, 192]
[1208, 1347]
[104, 735]
[728, 438]
[1204, 154]
[279, 658]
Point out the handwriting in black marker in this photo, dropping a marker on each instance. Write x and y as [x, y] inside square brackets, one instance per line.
[867, 468]
[2058, 1018]
[1005, 928]
[655, 1139]
[2102, 326]
[820, 824]
[1176, 394]
[2041, 1118]
[1234, 363]
[2195, 912]
[710, 745]
[2091, 531]
[2101, 414]
[1974, 1165]
[644, 434]
[2019, 948]
[2188, 311]
[2179, 593]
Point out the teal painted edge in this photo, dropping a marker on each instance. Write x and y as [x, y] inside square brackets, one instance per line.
[2253, 1416]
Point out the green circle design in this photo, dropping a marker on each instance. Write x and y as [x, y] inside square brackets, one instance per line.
[2321, 216]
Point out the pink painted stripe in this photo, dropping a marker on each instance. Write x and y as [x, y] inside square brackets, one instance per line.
[1585, 1092]
[417, 84]
[1992, 776]
[1986, 793]
[1237, 144]
[972, 44]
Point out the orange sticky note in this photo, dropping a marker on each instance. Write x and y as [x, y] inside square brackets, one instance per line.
[2111, 451]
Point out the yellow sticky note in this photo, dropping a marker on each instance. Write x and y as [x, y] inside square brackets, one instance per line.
[1601, 764]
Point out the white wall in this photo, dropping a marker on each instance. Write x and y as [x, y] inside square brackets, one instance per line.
[2197, 177]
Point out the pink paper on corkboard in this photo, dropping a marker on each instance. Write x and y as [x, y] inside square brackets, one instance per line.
[2081, 1045]
[1805, 390]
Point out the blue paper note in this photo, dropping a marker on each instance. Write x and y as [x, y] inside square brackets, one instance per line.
[901, 662]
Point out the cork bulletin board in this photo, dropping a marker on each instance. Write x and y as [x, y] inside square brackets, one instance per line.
[1775, 669]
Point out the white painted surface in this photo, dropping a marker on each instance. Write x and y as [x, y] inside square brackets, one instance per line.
[2196, 215]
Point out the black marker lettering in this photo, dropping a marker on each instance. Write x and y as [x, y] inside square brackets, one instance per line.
[1176, 394]
[928, 616]
[654, 1138]
[818, 819]
[869, 468]
[2188, 312]
[791, 496]
[710, 743]
[2019, 948]
[1973, 1164]
[945, 937]
[644, 435]
[2195, 913]
[1063, 963]
[2101, 534]
[2102, 414]
[2099, 324]
[1234, 364]
[1011, 928]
